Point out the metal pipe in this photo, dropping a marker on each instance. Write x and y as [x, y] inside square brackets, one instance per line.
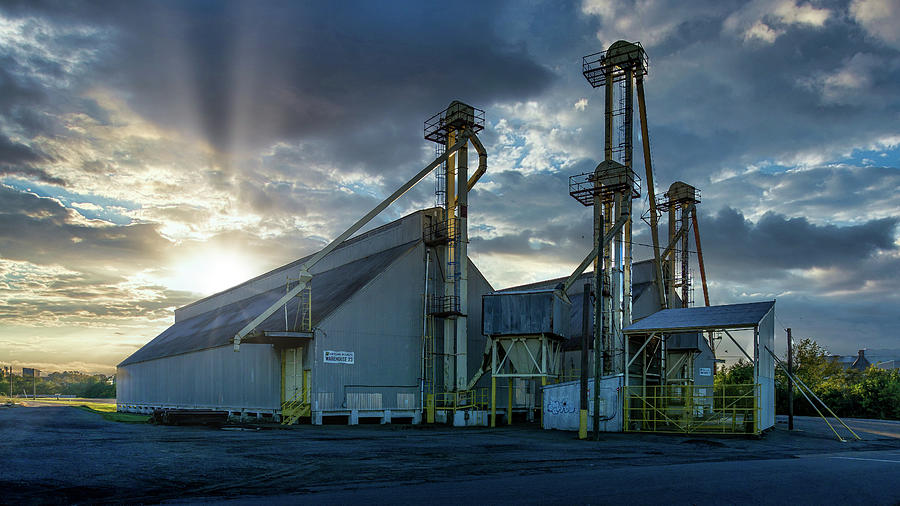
[608, 118]
[739, 346]
[305, 276]
[816, 397]
[685, 261]
[592, 255]
[450, 251]
[700, 256]
[640, 350]
[462, 283]
[482, 162]
[607, 301]
[790, 371]
[425, 329]
[669, 258]
[674, 240]
[616, 289]
[811, 403]
[651, 191]
[598, 323]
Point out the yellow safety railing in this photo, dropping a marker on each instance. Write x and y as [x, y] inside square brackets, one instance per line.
[297, 406]
[723, 409]
[477, 398]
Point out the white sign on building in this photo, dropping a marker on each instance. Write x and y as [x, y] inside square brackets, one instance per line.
[338, 357]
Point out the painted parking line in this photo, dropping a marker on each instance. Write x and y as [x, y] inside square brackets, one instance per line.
[871, 460]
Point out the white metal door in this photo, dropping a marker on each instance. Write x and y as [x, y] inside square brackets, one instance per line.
[293, 372]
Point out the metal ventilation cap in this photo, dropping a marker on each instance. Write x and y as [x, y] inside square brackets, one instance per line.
[457, 116]
[682, 192]
[623, 54]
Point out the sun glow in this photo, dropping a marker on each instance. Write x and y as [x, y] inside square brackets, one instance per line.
[211, 272]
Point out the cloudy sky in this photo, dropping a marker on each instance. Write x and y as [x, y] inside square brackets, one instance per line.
[151, 154]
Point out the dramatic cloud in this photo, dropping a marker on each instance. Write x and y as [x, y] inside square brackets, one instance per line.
[776, 242]
[152, 153]
[879, 18]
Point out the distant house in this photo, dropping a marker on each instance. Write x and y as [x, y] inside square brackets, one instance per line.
[845, 361]
[861, 363]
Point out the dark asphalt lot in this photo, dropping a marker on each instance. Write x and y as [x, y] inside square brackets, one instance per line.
[63, 455]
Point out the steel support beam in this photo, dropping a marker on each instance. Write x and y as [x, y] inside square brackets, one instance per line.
[305, 276]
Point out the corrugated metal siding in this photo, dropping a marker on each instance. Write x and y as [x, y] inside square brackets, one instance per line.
[476, 341]
[766, 371]
[524, 313]
[216, 378]
[561, 404]
[382, 325]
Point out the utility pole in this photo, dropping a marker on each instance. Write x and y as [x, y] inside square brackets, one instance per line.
[790, 368]
[585, 332]
[598, 327]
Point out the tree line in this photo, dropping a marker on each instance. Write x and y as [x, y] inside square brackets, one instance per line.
[79, 384]
[873, 393]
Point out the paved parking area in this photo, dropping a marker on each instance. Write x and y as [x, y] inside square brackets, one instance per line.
[65, 455]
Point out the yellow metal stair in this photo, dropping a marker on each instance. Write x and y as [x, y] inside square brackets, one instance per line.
[293, 409]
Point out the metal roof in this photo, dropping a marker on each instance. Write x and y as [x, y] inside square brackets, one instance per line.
[703, 318]
[214, 328]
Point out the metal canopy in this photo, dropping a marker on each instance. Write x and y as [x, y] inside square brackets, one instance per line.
[732, 316]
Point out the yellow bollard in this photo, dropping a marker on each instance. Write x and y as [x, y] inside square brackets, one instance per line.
[430, 409]
[509, 392]
[582, 424]
[493, 401]
[543, 384]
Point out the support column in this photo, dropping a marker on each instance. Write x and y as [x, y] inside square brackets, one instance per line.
[450, 266]
[462, 202]
[670, 261]
[585, 332]
[615, 289]
[608, 336]
[685, 261]
[509, 401]
[651, 190]
[790, 368]
[598, 317]
[494, 371]
[493, 401]
[626, 230]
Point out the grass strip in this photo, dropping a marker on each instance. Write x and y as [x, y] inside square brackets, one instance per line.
[112, 415]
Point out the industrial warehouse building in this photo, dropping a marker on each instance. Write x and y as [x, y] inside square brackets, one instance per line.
[363, 358]
[395, 324]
